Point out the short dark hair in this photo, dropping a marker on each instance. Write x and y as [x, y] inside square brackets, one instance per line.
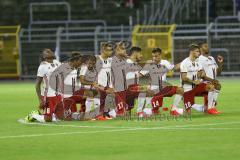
[42, 56]
[154, 50]
[47, 50]
[107, 44]
[123, 44]
[91, 58]
[193, 47]
[75, 55]
[134, 49]
[86, 58]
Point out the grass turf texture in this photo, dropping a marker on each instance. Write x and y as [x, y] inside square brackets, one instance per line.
[203, 137]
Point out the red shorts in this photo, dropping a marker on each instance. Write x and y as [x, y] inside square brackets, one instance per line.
[157, 99]
[167, 91]
[131, 94]
[72, 101]
[188, 97]
[120, 100]
[63, 109]
[51, 103]
[78, 95]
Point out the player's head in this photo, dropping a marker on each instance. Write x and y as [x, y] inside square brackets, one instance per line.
[136, 53]
[75, 59]
[203, 48]
[47, 55]
[91, 62]
[194, 50]
[156, 55]
[120, 49]
[106, 49]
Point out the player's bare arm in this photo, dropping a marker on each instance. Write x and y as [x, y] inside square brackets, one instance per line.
[202, 75]
[220, 61]
[85, 82]
[177, 67]
[38, 90]
[185, 79]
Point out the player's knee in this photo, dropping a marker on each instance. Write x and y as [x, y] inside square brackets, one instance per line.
[218, 86]
[157, 102]
[179, 90]
[69, 101]
[209, 87]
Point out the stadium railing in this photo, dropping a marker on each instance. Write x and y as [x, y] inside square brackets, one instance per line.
[86, 35]
[84, 39]
[223, 40]
[87, 40]
[42, 34]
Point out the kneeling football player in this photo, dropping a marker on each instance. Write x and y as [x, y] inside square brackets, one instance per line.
[47, 95]
[191, 75]
[157, 69]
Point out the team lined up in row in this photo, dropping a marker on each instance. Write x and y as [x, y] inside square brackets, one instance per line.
[92, 81]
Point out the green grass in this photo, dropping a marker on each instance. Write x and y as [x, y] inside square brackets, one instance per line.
[203, 137]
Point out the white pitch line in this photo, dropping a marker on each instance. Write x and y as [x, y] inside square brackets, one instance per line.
[83, 126]
[62, 133]
[130, 129]
[198, 125]
[116, 130]
[63, 125]
[205, 128]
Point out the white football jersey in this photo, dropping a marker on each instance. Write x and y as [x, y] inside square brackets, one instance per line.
[45, 70]
[169, 66]
[191, 68]
[157, 72]
[83, 70]
[71, 80]
[119, 66]
[103, 68]
[89, 75]
[132, 72]
[209, 66]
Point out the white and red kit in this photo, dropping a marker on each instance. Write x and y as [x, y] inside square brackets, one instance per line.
[48, 94]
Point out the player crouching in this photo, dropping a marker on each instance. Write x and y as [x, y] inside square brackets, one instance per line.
[157, 69]
[191, 75]
[46, 95]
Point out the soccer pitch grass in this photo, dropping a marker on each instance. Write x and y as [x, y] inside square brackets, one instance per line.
[212, 137]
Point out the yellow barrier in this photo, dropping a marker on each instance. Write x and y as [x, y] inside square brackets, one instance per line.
[9, 48]
[152, 36]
